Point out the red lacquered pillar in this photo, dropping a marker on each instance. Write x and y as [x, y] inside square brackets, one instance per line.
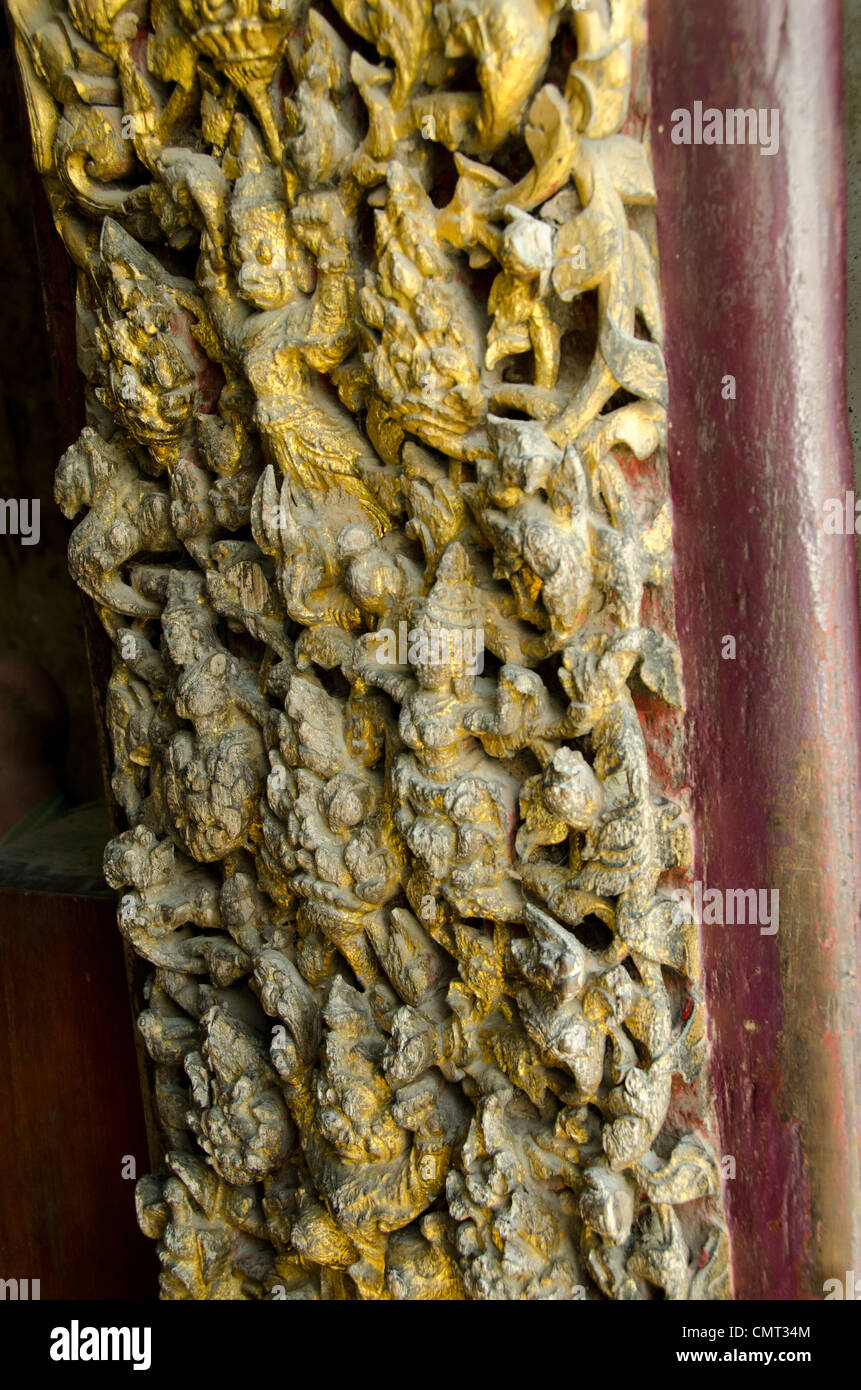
[752, 261]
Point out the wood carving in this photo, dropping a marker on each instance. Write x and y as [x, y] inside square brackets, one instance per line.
[375, 515]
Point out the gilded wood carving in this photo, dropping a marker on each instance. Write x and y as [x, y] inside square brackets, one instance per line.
[375, 515]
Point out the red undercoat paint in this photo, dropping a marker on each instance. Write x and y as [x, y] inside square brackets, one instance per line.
[752, 264]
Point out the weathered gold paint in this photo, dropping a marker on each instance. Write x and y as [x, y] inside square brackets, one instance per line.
[386, 1063]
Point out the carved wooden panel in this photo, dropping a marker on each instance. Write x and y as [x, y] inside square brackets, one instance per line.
[375, 515]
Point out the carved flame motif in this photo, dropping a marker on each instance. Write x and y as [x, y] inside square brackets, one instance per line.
[376, 518]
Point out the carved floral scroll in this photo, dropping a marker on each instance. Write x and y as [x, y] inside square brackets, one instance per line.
[373, 507]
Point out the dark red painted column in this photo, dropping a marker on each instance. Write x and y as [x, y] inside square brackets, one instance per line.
[752, 260]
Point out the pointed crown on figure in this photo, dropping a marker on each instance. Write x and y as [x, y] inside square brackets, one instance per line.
[258, 182]
[451, 601]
